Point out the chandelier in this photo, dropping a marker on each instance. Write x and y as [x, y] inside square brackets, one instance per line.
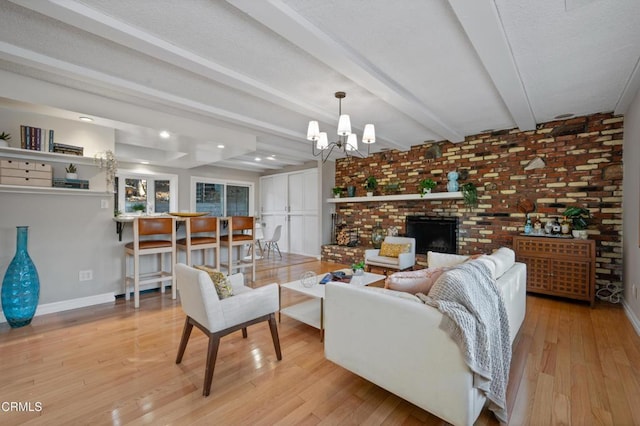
[347, 141]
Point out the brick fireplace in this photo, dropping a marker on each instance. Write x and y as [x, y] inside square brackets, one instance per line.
[583, 158]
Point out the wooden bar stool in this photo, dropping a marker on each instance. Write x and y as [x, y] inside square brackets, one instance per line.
[201, 234]
[146, 241]
[240, 231]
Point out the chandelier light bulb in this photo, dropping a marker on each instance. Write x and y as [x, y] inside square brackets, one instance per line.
[323, 141]
[313, 131]
[352, 142]
[344, 125]
[369, 135]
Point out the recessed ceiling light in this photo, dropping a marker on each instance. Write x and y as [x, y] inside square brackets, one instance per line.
[87, 119]
[258, 159]
[564, 115]
[220, 146]
[271, 157]
[164, 134]
[144, 162]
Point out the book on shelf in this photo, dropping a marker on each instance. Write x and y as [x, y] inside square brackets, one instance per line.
[50, 146]
[70, 183]
[68, 149]
[36, 138]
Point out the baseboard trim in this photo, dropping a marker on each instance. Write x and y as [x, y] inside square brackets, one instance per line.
[635, 321]
[66, 305]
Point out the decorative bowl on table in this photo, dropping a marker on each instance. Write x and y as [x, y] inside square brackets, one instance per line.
[308, 279]
[188, 214]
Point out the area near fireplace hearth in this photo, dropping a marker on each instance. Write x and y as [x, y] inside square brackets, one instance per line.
[582, 166]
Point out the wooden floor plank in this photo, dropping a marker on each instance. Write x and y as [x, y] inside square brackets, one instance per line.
[112, 364]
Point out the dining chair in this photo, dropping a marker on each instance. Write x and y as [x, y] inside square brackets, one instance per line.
[240, 232]
[151, 236]
[273, 242]
[217, 317]
[201, 234]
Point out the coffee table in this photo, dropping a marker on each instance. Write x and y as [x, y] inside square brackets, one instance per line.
[311, 311]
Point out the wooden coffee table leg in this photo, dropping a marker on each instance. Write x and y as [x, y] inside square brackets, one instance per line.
[322, 319]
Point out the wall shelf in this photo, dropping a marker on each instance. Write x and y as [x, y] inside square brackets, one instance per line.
[19, 189]
[27, 154]
[399, 197]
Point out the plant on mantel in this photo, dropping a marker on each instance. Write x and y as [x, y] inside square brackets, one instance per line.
[426, 185]
[469, 194]
[371, 183]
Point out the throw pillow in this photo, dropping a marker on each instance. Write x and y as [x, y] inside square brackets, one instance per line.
[413, 282]
[394, 250]
[435, 259]
[220, 281]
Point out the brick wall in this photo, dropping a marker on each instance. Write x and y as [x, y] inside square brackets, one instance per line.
[583, 159]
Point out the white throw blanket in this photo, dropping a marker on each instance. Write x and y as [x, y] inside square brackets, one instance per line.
[475, 317]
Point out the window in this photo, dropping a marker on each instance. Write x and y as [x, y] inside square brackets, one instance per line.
[148, 193]
[221, 198]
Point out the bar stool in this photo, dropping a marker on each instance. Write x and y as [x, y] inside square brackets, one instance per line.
[146, 241]
[240, 231]
[201, 234]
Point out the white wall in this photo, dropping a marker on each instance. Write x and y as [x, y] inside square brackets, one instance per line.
[72, 233]
[631, 213]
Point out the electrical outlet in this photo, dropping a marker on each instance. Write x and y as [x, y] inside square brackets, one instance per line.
[104, 204]
[85, 275]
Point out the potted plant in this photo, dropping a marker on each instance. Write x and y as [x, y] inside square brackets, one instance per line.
[358, 268]
[371, 183]
[72, 171]
[579, 217]
[5, 138]
[469, 194]
[138, 208]
[336, 191]
[426, 185]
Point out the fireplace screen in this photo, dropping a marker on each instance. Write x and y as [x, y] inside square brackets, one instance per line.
[433, 233]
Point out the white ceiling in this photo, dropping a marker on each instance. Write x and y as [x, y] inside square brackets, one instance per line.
[251, 74]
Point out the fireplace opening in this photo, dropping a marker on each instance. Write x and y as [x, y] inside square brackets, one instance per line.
[433, 233]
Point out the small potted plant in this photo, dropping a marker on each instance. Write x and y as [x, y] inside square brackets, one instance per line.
[579, 217]
[72, 171]
[469, 194]
[358, 268]
[138, 208]
[4, 139]
[336, 191]
[426, 185]
[371, 183]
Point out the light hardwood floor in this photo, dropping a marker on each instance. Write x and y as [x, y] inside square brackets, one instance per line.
[112, 364]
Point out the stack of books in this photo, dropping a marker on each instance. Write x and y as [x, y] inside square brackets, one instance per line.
[70, 183]
[67, 149]
[36, 139]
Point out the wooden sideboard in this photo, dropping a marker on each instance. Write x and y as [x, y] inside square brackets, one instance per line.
[558, 266]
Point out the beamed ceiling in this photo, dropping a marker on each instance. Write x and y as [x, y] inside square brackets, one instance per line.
[250, 74]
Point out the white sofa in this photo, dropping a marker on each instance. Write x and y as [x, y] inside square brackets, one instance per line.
[394, 341]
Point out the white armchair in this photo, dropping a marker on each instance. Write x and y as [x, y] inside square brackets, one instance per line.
[405, 260]
[217, 318]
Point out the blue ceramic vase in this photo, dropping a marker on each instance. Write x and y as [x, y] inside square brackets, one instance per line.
[21, 285]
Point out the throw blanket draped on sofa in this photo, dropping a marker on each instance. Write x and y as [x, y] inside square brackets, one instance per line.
[475, 317]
